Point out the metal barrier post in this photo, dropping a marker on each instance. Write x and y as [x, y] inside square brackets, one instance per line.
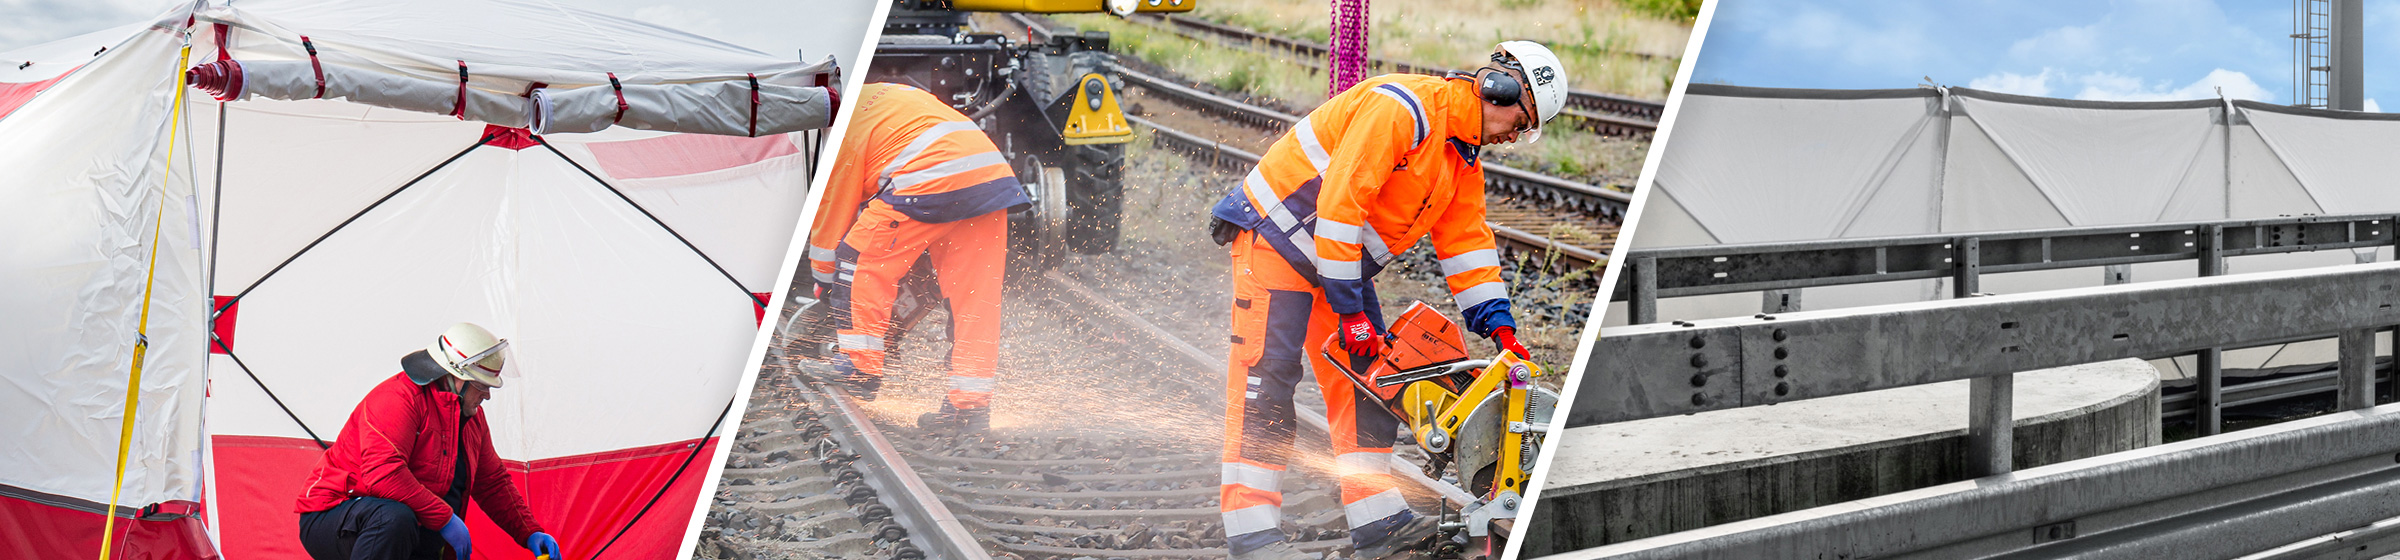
[2357, 389]
[1645, 290]
[1991, 400]
[2210, 415]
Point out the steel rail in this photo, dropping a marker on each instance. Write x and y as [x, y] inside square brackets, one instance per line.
[1582, 197]
[1117, 319]
[1221, 155]
[930, 522]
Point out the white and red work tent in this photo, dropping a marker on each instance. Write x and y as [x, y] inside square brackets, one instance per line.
[620, 235]
[1756, 165]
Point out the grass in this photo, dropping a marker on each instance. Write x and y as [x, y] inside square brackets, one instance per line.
[1228, 69]
[1564, 151]
[1590, 37]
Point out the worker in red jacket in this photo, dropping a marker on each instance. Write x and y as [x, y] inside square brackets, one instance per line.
[1392, 161]
[396, 482]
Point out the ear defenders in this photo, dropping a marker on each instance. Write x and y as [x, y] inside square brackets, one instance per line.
[1501, 89]
[1498, 87]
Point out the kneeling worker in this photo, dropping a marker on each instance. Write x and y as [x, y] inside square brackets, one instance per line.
[1389, 162]
[396, 483]
[917, 178]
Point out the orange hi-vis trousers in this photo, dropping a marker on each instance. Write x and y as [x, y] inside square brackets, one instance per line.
[970, 258]
[1279, 318]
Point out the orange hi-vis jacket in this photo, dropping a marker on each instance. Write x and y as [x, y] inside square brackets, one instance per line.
[907, 149]
[1385, 164]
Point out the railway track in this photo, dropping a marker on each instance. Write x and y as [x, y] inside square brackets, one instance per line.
[1511, 239]
[813, 475]
[1601, 113]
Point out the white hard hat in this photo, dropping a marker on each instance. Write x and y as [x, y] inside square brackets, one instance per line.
[1548, 80]
[469, 352]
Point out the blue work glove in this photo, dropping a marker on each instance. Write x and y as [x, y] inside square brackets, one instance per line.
[542, 545]
[455, 533]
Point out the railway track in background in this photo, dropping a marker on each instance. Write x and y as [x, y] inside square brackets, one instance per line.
[816, 477]
[1601, 113]
[1518, 224]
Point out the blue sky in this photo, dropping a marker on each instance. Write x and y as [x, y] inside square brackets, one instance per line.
[2115, 50]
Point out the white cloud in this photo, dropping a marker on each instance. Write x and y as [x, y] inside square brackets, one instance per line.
[2111, 86]
[2037, 85]
[2372, 107]
[1824, 33]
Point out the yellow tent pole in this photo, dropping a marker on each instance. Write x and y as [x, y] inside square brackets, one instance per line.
[141, 340]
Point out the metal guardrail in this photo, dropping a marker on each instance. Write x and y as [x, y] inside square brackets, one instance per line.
[2217, 496]
[2300, 489]
[1964, 258]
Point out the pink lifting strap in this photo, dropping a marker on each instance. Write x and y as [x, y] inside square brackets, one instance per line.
[314, 65]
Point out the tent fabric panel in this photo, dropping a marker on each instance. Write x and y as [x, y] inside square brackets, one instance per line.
[34, 530]
[743, 216]
[293, 170]
[1732, 161]
[2344, 164]
[2099, 166]
[1983, 189]
[685, 154]
[1664, 223]
[13, 96]
[582, 500]
[512, 240]
[1907, 199]
[2261, 185]
[82, 199]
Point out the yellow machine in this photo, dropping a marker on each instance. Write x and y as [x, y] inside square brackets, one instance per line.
[1482, 419]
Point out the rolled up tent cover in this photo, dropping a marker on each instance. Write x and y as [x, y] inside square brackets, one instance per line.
[723, 107]
[626, 266]
[1754, 165]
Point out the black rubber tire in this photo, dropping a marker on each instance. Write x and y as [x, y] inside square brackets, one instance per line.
[1095, 197]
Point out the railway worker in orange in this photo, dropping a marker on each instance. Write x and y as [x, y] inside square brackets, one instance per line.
[1389, 162]
[914, 177]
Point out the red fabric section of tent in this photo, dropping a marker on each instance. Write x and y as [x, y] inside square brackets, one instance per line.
[760, 310]
[686, 154]
[34, 530]
[582, 500]
[223, 326]
[13, 96]
[509, 137]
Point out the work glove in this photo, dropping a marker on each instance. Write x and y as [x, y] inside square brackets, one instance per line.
[455, 533]
[1359, 335]
[1507, 337]
[542, 545]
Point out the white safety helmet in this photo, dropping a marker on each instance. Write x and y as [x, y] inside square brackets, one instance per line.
[1548, 81]
[469, 352]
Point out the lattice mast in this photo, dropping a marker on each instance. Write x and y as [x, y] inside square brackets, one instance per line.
[2328, 54]
[1347, 46]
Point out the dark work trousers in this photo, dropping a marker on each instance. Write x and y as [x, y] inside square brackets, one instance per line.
[368, 529]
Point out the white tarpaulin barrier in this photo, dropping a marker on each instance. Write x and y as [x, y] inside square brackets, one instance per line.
[1752, 165]
[627, 266]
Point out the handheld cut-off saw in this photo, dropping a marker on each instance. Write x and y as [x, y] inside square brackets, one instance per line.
[1480, 422]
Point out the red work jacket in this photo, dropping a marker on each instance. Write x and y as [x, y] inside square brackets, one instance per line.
[401, 444]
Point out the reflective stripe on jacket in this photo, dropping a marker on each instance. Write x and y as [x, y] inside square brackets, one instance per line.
[400, 445]
[1391, 161]
[908, 149]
